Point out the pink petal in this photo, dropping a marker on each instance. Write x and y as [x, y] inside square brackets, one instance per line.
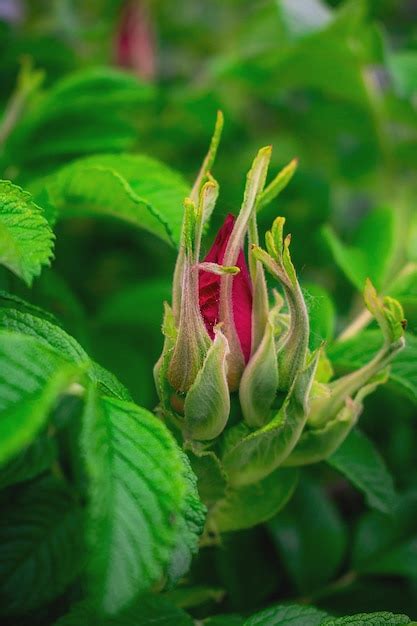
[209, 290]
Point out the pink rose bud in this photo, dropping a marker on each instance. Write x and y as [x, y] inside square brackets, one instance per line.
[209, 290]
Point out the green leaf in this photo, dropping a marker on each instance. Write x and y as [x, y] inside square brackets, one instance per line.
[311, 537]
[26, 239]
[250, 505]
[135, 189]
[387, 544]
[287, 615]
[359, 460]
[55, 337]
[188, 597]
[137, 495]
[375, 619]
[41, 546]
[224, 620]
[31, 380]
[31, 462]
[87, 111]
[372, 251]
[353, 353]
[150, 609]
[190, 527]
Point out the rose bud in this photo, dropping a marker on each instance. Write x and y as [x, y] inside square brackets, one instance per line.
[208, 331]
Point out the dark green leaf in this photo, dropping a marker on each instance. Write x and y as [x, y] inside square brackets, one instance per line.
[311, 537]
[30, 462]
[387, 544]
[287, 615]
[359, 460]
[149, 610]
[374, 619]
[41, 546]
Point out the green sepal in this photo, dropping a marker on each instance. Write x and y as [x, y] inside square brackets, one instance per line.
[278, 184]
[389, 315]
[250, 505]
[207, 403]
[257, 454]
[259, 383]
[317, 444]
[160, 370]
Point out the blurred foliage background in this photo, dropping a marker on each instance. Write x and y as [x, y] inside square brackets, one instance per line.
[331, 83]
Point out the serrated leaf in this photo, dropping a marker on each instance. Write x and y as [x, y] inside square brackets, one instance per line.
[250, 505]
[55, 337]
[26, 239]
[32, 377]
[287, 615]
[150, 609]
[135, 189]
[359, 460]
[136, 497]
[371, 254]
[31, 462]
[211, 477]
[353, 353]
[41, 546]
[375, 619]
[311, 537]
[190, 527]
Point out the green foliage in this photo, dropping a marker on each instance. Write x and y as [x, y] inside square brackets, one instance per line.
[309, 530]
[359, 460]
[41, 545]
[136, 189]
[372, 252]
[104, 519]
[26, 239]
[354, 352]
[33, 377]
[149, 609]
[136, 497]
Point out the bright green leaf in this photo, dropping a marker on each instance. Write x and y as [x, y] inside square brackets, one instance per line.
[26, 239]
[135, 189]
[373, 619]
[190, 527]
[32, 379]
[136, 498]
